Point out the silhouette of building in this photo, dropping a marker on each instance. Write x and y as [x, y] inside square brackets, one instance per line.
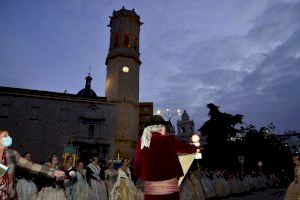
[185, 128]
[292, 140]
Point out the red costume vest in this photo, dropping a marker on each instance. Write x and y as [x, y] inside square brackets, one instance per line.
[160, 161]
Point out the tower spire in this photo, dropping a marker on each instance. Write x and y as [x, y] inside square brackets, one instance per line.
[90, 69]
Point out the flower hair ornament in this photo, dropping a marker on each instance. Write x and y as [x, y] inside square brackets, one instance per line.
[147, 134]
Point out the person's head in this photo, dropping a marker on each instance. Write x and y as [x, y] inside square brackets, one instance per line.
[5, 139]
[158, 124]
[80, 165]
[70, 159]
[53, 159]
[125, 162]
[94, 159]
[27, 156]
[296, 159]
[110, 164]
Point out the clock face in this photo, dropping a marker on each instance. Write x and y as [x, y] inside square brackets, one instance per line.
[125, 69]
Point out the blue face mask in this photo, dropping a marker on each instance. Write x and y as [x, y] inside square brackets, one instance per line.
[6, 141]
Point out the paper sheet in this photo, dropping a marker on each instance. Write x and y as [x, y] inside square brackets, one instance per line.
[185, 162]
[3, 169]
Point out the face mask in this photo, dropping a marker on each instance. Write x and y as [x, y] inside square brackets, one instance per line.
[6, 141]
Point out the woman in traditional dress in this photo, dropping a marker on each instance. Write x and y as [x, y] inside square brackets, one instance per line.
[124, 189]
[26, 188]
[191, 188]
[52, 189]
[110, 176]
[9, 159]
[70, 178]
[293, 191]
[207, 184]
[93, 177]
[81, 189]
[220, 185]
[233, 184]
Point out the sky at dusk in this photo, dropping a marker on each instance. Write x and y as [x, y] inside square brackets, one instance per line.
[241, 55]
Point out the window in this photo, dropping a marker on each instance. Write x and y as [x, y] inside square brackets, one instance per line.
[91, 130]
[4, 110]
[116, 40]
[34, 113]
[127, 40]
[64, 115]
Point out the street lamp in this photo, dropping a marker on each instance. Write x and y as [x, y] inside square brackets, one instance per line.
[168, 114]
[196, 141]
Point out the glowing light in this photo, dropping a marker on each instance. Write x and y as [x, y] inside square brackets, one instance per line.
[195, 138]
[158, 112]
[198, 156]
[125, 69]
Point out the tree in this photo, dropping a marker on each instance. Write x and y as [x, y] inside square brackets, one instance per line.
[264, 145]
[220, 130]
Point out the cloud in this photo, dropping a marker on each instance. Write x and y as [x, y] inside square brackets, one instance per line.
[255, 73]
[241, 55]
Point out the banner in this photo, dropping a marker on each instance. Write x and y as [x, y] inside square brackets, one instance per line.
[70, 150]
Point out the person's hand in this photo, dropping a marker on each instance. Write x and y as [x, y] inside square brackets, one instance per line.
[72, 174]
[58, 174]
[198, 150]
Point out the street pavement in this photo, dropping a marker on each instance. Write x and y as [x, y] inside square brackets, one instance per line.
[268, 194]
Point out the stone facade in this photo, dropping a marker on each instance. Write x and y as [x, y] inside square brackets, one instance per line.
[43, 122]
[145, 114]
[122, 87]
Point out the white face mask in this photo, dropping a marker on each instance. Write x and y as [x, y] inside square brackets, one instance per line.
[6, 141]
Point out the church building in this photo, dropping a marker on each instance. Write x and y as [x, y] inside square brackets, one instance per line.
[43, 122]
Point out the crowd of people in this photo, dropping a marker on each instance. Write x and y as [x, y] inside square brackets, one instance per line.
[92, 182]
[153, 175]
[80, 182]
[207, 184]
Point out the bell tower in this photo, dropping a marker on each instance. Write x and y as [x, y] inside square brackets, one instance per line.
[122, 79]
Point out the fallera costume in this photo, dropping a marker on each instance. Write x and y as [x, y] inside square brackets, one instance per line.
[191, 189]
[12, 158]
[293, 191]
[124, 189]
[26, 188]
[51, 189]
[81, 189]
[110, 177]
[96, 183]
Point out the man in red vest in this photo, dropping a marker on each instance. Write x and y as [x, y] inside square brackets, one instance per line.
[157, 163]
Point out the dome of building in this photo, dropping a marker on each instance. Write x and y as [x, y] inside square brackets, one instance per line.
[87, 90]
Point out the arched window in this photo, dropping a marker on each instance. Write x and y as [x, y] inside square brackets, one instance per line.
[116, 40]
[127, 39]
